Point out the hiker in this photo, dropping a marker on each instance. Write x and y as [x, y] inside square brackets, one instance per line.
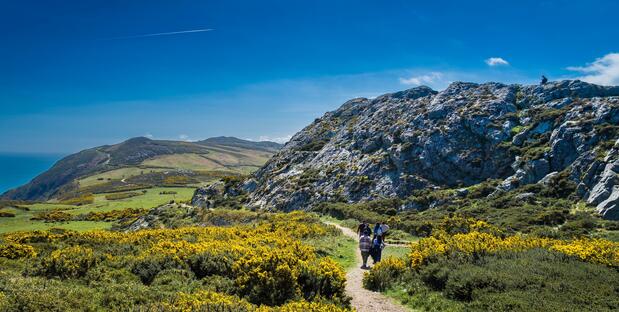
[544, 80]
[362, 228]
[365, 245]
[377, 249]
[378, 231]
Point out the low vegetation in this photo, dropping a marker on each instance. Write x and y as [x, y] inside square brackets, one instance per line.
[271, 263]
[105, 209]
[470, 265]
[548, 211]
[80, 200]
[6, 214]
[117, 196]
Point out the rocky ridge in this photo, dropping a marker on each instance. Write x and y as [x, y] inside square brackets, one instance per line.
[416, 139]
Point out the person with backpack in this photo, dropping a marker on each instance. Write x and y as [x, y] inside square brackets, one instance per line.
[378, 231]
[377, 249]
[365, 246]
[362, 228]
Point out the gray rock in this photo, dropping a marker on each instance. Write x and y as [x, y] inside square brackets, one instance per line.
[605, 184]
[609, 208]
[548, 178]
[203, 196]
[525, 196]
[419, 138]
[462, 192]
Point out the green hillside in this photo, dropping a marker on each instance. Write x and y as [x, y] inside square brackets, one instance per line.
[142, 162]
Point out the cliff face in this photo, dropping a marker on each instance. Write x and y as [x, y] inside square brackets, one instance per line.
[419, 138]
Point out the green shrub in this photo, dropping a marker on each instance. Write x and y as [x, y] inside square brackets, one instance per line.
[118, 196]
[80, 200]
[113, 215]
[147, 268]
[6, 214]
[219, 284]
[207, 264]
[533, 280]
[52, 216]
[384, 274]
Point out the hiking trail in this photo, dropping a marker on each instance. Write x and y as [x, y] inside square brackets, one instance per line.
[362, 299]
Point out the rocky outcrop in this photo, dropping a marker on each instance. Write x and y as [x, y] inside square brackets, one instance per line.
[419, 138]
[204, 197]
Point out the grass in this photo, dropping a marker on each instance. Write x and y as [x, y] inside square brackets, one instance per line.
[116, 174]
[240, 161]
[344, 252]
[151, 199]
[396, 252]
[22, 222]
[424, 300]
[342, 249]
[235, 161]
[183, 161]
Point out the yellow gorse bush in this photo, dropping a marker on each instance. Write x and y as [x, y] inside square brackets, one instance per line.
[302, 306]
[212, 301]
[478, 243]
[266, 261]
[207, 301]
[69, 262]
[393, 263]
[15, 251]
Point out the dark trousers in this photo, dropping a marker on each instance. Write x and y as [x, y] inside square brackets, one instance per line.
[364, 256]
[376, 254]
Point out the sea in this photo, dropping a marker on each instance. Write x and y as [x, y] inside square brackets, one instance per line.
[19, 169]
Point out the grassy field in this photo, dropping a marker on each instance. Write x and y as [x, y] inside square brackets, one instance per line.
[184, 161]
[22, 222]
[150, 199]
[217, 159]
[117, 174]
[214, 160]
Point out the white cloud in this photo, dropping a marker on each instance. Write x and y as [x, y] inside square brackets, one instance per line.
[603, 71]
[148, 135]
[496, 61]
[281, 140]
[430, 78]
[183, 137]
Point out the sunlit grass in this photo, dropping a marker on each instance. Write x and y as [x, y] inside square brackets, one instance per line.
[150, 199]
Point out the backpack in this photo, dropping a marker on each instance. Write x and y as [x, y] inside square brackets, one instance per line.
[385, 229]
[367, 231]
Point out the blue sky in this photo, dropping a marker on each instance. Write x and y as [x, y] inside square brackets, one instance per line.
[76, 74]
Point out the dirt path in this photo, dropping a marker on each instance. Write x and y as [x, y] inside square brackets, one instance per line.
[362, 299]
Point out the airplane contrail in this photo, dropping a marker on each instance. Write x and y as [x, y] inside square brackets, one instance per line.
[165, 33]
